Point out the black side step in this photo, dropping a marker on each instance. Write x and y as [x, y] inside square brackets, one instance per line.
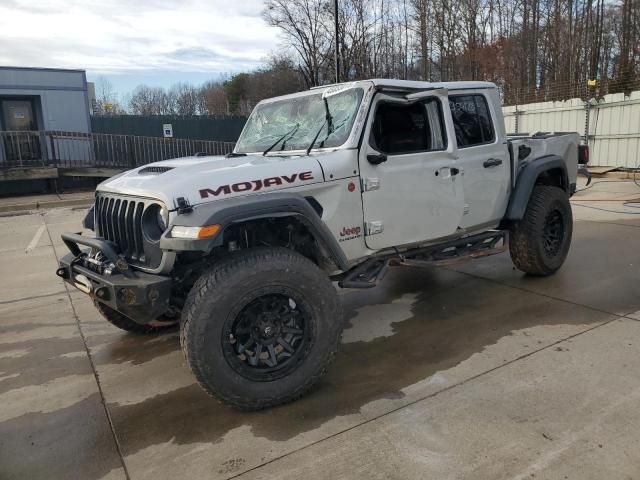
[371, 272]
[468, 248]
[366, 275]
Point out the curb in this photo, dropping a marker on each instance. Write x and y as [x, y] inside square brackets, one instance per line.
[23, 207]
[618, 175]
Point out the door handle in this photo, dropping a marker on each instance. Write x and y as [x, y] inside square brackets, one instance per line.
[492, 162]
[448, 172]
[376, 158]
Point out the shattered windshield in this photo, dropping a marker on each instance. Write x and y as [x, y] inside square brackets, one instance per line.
[305, 116]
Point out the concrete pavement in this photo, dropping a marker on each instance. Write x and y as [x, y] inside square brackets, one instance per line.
[469, 372]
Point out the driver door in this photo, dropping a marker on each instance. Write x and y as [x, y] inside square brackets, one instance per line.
[411, 186]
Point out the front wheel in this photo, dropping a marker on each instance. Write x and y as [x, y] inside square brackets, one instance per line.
[260, 327]
[539, 243]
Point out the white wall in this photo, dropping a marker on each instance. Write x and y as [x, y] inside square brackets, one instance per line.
[614, 125]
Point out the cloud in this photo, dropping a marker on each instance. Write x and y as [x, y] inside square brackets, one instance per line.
[194, 54]
[125, 36]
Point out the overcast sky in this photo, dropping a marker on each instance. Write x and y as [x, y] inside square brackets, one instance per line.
[157, 42]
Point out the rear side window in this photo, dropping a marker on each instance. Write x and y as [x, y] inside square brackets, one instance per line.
[471, 120]
[408, 128]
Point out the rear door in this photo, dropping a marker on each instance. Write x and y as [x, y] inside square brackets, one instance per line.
[483, 156]
[412, 191]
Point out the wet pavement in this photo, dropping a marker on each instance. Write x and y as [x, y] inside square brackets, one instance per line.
[473, 371]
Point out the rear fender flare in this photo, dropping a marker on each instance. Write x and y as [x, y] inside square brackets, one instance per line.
[526, 180]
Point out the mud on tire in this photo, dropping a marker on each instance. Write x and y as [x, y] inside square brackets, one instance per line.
[539, 243]
[260, 327]
[125, 323]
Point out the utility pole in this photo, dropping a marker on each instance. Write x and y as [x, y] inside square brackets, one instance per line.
[337, 49]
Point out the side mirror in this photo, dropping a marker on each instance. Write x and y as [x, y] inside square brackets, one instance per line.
[376, 158]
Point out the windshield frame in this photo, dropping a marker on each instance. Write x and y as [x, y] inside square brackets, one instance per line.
[353, 137]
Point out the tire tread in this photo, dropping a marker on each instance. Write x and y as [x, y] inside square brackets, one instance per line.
[525, 234]
[245, 260]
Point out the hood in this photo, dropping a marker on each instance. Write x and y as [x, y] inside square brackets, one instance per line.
[210, 178]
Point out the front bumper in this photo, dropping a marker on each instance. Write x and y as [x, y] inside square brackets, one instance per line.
[138, 295]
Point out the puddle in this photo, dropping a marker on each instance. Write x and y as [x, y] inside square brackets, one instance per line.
[441, 319]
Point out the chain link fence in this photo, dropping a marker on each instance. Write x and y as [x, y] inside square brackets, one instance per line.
[559, 91]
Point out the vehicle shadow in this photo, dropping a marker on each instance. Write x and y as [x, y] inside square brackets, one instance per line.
[417, 323]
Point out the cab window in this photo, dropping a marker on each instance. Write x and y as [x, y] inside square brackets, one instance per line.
[471, 120]
[408, 128]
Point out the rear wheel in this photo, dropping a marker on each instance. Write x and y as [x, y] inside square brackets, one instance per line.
[260, 327]
[123, 322]
[539, 243]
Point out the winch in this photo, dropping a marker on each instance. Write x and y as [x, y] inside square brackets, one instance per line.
[96, 261]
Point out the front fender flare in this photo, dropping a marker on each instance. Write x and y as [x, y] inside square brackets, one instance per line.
[242, 209]
[527, 179]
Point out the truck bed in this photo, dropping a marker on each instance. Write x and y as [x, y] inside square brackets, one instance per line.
[563, 144]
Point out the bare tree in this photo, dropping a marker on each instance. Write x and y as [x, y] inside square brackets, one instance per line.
[147, 100]
[304, 23]
[215, 99]
[106, 101]
[534, 49]
[184, 99]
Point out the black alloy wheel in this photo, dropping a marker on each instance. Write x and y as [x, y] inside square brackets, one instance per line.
[268, 337]
[553, 233]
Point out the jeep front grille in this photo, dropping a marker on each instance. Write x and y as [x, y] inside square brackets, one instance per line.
[119, 219]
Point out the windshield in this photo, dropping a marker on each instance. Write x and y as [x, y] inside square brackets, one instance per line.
[270, 121]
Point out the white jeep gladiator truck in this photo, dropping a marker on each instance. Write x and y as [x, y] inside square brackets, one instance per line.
[334, 184]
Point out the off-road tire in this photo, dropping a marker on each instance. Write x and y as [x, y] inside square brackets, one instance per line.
[125, 323]
[223, 289]
[527, 238]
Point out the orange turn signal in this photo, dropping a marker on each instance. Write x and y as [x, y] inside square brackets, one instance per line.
[208, 231]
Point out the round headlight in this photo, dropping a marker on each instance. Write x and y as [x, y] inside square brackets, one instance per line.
[161, 218]
[155, 220]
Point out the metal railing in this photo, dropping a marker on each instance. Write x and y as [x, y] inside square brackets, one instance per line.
[77, 150]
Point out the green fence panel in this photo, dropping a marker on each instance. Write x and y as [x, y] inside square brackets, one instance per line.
[225, 129]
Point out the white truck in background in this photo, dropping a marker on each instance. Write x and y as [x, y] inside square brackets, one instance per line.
[336, 183]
